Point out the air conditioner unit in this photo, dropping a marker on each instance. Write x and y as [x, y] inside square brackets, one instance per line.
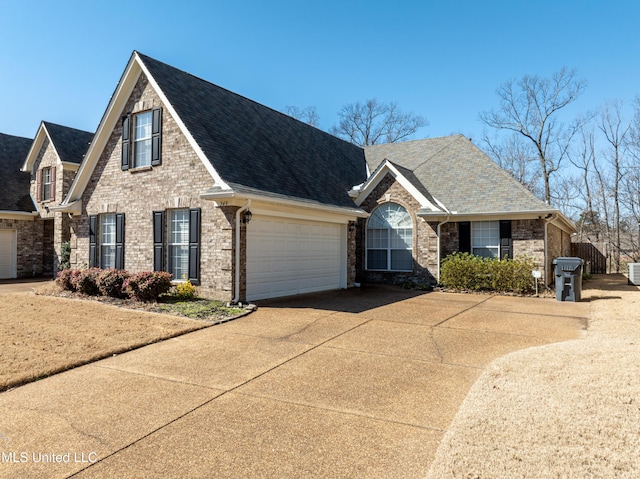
[634, 274]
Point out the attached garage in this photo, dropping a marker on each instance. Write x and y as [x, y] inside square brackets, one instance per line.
[292, 256]
[8, 253]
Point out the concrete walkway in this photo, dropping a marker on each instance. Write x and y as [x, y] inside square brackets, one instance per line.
[359, 383]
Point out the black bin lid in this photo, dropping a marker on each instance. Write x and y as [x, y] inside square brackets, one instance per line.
[568, 263]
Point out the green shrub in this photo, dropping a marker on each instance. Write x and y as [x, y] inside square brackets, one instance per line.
[148, 285]
[111, 282]
[185, 290]
[85, 281]
[65, 256]
[464, 271]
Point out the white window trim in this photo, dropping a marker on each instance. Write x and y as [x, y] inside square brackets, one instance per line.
[170, 244]
[485, 246]
[136, 164]
[102, 221]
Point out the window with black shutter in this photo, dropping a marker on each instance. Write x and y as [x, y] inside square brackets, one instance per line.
[176, 243]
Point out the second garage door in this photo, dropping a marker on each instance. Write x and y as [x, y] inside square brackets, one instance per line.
[287, 256]
[7, 254]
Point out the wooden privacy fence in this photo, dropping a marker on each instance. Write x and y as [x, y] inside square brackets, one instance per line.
[590, 252]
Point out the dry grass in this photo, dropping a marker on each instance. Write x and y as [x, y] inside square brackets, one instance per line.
[42, 335]
[566, 410]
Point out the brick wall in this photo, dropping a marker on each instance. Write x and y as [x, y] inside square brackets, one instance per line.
[177, 183]
[425, 241]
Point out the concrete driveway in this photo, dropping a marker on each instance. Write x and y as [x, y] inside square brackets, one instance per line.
[358, 383]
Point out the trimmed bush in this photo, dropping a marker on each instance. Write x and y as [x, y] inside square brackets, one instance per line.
[85, 281]
[148, 285]
[111, 282]
[66, 279]
[464, 271]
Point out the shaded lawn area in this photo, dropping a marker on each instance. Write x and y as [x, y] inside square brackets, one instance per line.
[42, 335]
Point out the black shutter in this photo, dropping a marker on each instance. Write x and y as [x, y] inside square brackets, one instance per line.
[194, 245]
[93, 235]
[158, 240]
[156, 137]
[126, 142]
[506, 244]
[464, 237]
[119, 241]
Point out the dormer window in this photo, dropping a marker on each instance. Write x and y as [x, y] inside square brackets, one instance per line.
[142, 139]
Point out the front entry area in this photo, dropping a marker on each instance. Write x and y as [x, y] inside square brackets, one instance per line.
[291, 256]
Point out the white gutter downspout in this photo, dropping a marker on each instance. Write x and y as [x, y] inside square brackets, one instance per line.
[236, 296]
[438, 234]
[546, 223]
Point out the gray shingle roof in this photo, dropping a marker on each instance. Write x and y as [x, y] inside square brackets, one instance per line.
[70, 143]
[259, 148]
[14, 193]
[459, 174]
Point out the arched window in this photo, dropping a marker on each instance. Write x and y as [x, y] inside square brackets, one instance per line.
[390, 239]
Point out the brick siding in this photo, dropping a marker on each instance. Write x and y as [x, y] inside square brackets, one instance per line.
[176, 183]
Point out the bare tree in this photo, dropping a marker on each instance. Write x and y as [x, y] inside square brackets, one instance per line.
[583, 158]
[308, 114]
[517, 158]
[615, 131]
[374, 122]
[530, 107]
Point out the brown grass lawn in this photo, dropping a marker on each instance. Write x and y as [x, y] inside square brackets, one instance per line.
[41, 335]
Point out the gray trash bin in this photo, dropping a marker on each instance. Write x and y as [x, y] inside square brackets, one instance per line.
[568, 271]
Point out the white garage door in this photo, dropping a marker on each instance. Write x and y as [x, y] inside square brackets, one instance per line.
[287, 256]
[7, 254]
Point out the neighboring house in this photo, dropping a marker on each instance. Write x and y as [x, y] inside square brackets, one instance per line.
[21, 235]
[430, 198]
[187, 177]
[52, 161]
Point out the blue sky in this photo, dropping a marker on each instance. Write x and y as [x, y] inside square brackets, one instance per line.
[443, 59]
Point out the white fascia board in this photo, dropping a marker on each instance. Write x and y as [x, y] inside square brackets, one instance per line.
[38, 141]
[18, 215]
[105, 128]
[67, 165]
[387, 167]
[75, 208]
[205, 161]
[274, 205]
[560, 220]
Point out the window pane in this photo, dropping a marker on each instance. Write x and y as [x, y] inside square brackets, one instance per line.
[390, 233]
[178, 243]
[485, 238]
[401, 260]
[142, 139]
[107, 256]
[179, 261]
[377, 238]
[486, 252]
[108, 241]
[377, 259]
